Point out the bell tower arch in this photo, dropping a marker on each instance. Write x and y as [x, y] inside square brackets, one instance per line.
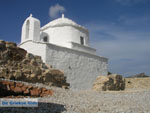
[31, 29]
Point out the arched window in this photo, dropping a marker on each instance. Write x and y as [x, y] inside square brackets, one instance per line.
[82, 40]
[45, 39]
[27, 29]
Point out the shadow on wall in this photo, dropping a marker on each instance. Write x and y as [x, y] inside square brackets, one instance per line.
[42, 108]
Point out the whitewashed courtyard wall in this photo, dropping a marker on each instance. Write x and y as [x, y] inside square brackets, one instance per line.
[36, 48]
[80, 68]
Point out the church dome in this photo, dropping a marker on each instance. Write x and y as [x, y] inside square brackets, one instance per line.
[63, 22]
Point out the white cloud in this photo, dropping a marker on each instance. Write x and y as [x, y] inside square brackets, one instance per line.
[128, 49]
[55, 10]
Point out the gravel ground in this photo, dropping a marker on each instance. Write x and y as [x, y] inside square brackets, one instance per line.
[67, 101]
[101, 102]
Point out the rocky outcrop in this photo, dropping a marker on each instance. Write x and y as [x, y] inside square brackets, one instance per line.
[17, 64]
[141, 75]
[111, 82]
[13, 88]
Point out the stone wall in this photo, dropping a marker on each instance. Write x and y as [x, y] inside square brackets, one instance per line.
[17, 64]
[14, 88]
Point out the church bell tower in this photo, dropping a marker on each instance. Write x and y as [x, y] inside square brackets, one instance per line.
[31, 29]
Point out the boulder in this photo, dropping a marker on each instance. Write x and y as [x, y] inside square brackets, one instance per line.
[111, 82]
[100, 82]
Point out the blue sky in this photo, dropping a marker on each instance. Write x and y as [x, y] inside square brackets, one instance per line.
[119, 29]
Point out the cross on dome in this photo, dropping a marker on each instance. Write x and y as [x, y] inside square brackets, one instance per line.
[63, 15]
[31, 15]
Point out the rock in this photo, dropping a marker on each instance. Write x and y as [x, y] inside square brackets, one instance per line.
[57, 74]
[44, 66]
[3, 72]
[13, 88]
[26, 61]
[45, 92]
[17, 90]
[32, 78]
[5, 82]
[2, 42]
[24, 88]
[17, 64]
[111, 82]
[11, 45]
[55, 77]
[18, 75]
[119, 82]
[7, 55]
[20, 53]
[2, 45]
[34, 63]
[26, 92]
[14, 53]
[19, 84]
[35, 92]
[99, 85]
[36, 70]
[29, 56]
[26, 71]
[11, 77]
[141, 75]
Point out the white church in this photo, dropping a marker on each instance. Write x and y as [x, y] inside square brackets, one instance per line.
[64, 44]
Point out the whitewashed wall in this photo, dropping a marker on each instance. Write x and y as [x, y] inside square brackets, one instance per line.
[82, 48]
[80, 68]
[36, 48]
[61, 35]
[32, 29]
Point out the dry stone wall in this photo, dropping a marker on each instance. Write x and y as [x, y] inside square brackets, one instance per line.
[14, 88]
[17, 64]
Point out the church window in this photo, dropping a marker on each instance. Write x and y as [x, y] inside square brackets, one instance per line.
[82, 40]
[27, 29]
[45, 39]
[69, 67]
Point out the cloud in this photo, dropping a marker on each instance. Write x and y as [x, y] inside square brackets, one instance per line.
[55, 10]
[127, 47]
[129, 2]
